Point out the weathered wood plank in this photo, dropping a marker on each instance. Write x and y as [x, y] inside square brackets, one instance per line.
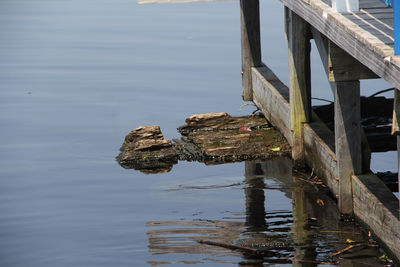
[369, 16]
[343, 67]
[272, 97]
[396, 113]
[251, 44]
[300, 81]
[396, 127]
[342, 31]
[347, 139]
[377, 207]
[376, 10]
[319, 146]
[372, 4]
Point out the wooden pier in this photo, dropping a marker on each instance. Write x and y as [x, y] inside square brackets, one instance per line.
[356, 39]
[353, 46]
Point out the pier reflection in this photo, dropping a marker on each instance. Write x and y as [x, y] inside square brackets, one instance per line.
[303, 235]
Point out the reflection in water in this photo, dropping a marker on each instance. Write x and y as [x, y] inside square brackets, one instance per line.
[304, 235]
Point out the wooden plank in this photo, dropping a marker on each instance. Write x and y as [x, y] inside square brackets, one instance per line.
[377, 207]
[388, 10]
[272, 97]
[347, 139]
[341, 31]
[396, 127]
[300, 81]
[385, 22]
[369, 16]
[343, 67]
[396, 113]
[371, 4]
[319, 146]
[251, 45]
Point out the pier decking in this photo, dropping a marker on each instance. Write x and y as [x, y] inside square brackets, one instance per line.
[367, 35]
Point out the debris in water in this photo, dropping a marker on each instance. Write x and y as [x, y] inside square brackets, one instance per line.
[212, 138]
[145, 149]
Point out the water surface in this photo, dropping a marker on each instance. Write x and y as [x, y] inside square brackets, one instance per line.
[75, 78]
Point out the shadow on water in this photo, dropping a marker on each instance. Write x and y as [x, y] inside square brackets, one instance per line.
[304, 235]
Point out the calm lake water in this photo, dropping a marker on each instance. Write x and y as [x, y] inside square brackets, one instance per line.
[77, 76]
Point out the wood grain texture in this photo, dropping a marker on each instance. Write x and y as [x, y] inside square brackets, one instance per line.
[319, 147]
[272, 97]
[344, 67]
[300, 81]
[396, 113]
[251, 44]
[322, 44]
[347, 139]
[378, 208]
[362, 45]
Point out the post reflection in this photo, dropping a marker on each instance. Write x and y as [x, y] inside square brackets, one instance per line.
[255, 198]
[303, 231]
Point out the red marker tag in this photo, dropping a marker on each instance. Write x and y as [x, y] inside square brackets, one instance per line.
[244, 129]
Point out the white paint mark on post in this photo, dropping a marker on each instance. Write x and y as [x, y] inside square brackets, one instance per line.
[343, 6]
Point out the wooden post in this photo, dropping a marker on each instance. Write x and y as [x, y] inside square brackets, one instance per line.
[251, 45]
[300, 81]
[396, 128]
[347, 140]
[346, 5]
[340, 66]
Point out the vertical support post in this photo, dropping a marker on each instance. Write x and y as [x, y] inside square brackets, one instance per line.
[251, 44]
[346, 5]
[396, 127]
[300, 81]
[347, 140]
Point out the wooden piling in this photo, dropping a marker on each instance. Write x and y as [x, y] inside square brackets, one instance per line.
[298, 36]
[396, 127]
[347, 139]
[251, 44]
